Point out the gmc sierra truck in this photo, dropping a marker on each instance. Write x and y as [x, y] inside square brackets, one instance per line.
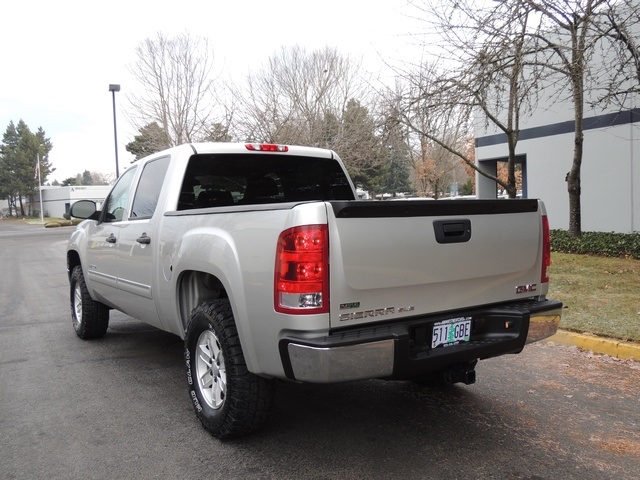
[262, 260]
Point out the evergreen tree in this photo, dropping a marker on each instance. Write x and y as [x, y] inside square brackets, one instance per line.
[467, 188]
[19, 154]
[152, 139]
[360, 148]
[70, 182]
[87, 178]
[396, 177]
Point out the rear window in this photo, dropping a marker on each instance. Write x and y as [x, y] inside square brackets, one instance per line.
[218, 180]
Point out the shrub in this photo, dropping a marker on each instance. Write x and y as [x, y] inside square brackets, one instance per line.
[607, 244]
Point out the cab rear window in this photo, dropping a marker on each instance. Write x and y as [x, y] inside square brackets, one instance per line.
[219, 180]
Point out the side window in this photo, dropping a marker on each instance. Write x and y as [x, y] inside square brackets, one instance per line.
[148, 191]
[116, 202]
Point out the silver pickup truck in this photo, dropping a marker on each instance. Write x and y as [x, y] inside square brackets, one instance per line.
[260, 257]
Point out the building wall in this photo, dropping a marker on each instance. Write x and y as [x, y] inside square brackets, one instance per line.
[58, 200]
[610, 174]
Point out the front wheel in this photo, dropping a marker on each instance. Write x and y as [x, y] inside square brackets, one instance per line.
[90, 318]
[228, 400]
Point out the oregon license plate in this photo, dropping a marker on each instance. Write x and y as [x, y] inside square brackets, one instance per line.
[451, 332]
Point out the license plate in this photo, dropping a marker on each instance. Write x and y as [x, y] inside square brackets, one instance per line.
[451, 332]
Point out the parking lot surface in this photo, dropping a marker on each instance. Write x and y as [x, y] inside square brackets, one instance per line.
[118, 407]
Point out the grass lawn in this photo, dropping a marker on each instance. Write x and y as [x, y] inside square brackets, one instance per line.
[601, 295]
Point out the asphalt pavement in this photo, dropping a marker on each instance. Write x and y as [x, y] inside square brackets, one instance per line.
[118, 407]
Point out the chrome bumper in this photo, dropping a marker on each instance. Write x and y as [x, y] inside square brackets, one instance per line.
[403, 350]
[340, 364]
[543, 325]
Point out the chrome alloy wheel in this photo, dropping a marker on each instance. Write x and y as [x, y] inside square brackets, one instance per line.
[77, 304]
[211, 373]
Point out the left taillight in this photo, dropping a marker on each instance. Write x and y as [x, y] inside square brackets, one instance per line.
[546, 250]
[302, 270]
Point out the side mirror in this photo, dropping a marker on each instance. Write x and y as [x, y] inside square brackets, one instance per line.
[85, 209]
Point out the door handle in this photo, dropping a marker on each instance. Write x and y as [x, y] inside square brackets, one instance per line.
[111, 238]
[144, 239]
[452, 231]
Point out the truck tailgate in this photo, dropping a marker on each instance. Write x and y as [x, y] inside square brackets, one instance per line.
[404, 258]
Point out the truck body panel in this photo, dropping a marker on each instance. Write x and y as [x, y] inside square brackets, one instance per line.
[184, 233]
[395, 260]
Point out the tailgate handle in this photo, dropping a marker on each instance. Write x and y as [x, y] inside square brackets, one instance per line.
[452, 231]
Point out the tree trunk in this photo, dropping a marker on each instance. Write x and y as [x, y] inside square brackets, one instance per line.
[574, 189]
[575, 227]
[512, 188]
[573, 178]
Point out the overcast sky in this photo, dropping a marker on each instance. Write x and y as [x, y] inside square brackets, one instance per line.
[59, 57]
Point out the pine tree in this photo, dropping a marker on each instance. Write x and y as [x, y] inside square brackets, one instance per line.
[19, 153]
[152, 139]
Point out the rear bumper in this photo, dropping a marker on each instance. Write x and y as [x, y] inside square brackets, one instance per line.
[403, 350]
[543, 324]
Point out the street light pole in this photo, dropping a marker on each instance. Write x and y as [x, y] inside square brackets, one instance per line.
[113, 88]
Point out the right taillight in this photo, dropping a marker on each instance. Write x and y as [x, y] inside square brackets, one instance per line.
[302, 270]
[546, 249]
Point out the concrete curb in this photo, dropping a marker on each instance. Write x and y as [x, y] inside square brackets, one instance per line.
[599, 345]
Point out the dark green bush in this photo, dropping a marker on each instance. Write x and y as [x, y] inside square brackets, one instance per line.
[597, 243]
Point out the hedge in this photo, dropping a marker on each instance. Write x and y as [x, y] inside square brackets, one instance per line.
[597, 243]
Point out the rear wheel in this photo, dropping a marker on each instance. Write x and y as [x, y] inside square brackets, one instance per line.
[228, 400]
[90, 318]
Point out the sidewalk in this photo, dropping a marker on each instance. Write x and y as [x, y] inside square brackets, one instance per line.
[599, 345]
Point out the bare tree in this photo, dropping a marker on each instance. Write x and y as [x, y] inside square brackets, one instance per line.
[314, 98]
[567, 32]
[175, 75]
[498, 40]
[485, 46]
[438, 118]
[288, 98]
[618, 24]
[434, 168]
[502, 84]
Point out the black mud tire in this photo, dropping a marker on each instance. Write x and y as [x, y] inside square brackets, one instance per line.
[228, 400]
[90, 318]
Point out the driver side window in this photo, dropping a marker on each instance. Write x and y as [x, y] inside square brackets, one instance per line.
[116, 202]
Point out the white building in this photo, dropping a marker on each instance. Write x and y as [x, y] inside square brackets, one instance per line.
[58, 200]
[610, 173]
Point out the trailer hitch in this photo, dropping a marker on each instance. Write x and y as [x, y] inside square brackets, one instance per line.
[461, 373]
